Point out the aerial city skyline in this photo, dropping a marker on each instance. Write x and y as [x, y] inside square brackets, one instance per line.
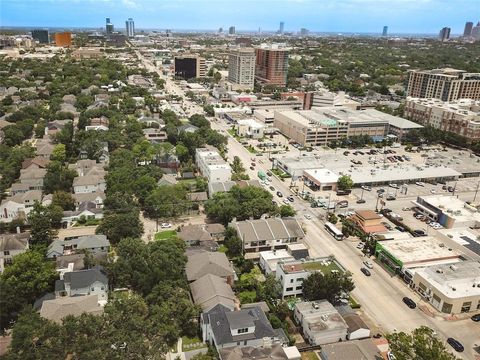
[422, 17]
[240, 180]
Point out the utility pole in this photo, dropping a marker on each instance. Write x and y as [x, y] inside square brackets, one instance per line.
[476, 191]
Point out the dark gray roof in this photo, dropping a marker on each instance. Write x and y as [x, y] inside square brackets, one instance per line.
[84, 278]
[222, 321]
[59, 285]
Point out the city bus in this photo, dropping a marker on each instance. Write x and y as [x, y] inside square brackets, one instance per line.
[332, 229]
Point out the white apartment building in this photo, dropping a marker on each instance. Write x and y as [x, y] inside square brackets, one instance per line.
[250, 128]
[461, 117]
[292, 273]
[212, 165]
[241, 68]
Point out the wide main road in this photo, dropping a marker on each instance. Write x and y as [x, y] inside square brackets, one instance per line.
[380, 294]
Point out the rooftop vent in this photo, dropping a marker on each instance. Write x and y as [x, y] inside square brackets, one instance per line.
[453, 267]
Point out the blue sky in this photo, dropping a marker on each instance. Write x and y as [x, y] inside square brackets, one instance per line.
[402, 16]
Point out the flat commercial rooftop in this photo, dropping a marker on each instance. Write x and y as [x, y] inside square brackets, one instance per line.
[420, 251]
[453, 207]
[459, 280]
[400, 173]
[469, 238]
[322, 176]
[462, 161]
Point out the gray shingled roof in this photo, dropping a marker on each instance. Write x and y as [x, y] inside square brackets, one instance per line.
[222, 321]
[268, 229]
[202, 263]
[211, 290]
[59, 308]
[84, 278]
[10, 242]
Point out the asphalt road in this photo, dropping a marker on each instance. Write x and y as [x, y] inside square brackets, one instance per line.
[380, 294]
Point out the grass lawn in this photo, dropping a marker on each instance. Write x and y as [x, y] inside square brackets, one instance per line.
[192, 343]
[318, 265]
[164, 235]
[309, 355]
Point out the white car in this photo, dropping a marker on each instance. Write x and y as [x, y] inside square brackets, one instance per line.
[368, 264]
[286, 201]
[307, 216]
[166, 225]
[419, 183]
[433, 191]
[395, 186]
[360, 245]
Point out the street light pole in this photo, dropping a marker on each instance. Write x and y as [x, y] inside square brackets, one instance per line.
[476, 191]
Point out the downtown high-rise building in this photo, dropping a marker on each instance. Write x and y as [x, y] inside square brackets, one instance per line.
[282, 25]
[444, 84]
[108, 26]
[130, 27]
[385, 31]
[303, 31]
[241, 68]
[231, 30]
[189, 66]
[42, 36]
[476, 31]
[271, 64]
[444, 34]
[468, 29]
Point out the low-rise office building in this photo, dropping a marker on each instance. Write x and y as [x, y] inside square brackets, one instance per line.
[450, 288]
[412, 253]
[265, 116]
[368, 221]
[250, 128]
[321, 179]
[320, 322]
[269, 259]
[448, 211]
[212, 165]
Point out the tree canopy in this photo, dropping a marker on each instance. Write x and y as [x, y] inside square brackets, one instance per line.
[329, 286]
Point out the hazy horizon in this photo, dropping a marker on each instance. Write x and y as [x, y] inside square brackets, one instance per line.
[326, 16]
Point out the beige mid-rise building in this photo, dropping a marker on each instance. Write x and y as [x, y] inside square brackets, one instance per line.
[241, 68]
[461, 117]
[445, 84]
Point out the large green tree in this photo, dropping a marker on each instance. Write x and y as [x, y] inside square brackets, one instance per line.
[329, 286]
[27, 278]
[41, 224]
[345, 182]
[420, 344]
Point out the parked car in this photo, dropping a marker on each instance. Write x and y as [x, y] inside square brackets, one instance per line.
[409, 302]
[166, 225]
[252, 168]
[269, 173]
[366, 188]
[433, 191]
[361, 201]
[400, 228]
[476, 317]
[450, 189]
[360, 245]
[365, 271]
[290, 198]
[419, 232]
[279, 194]
[419, 183]
[307, 216]
[387, 225]
[380, 191]
[455, 344]
[272, 188]
[390, 356]
[285, 201]
[393, 185]
[368, 264]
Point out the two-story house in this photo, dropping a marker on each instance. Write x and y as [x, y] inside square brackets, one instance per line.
[95, 244]
[11, 245]
[93, 281]
[224, 328]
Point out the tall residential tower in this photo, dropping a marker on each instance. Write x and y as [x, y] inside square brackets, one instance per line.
[271, 64]
[130, 27]
[241, 68]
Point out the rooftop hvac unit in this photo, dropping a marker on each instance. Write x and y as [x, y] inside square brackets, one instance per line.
[439, 271]
[453, 267]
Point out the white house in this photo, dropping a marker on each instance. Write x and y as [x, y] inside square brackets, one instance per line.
[11, 245]
[84, 282]
[89, 184]
[19, 205]
[321, 323]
